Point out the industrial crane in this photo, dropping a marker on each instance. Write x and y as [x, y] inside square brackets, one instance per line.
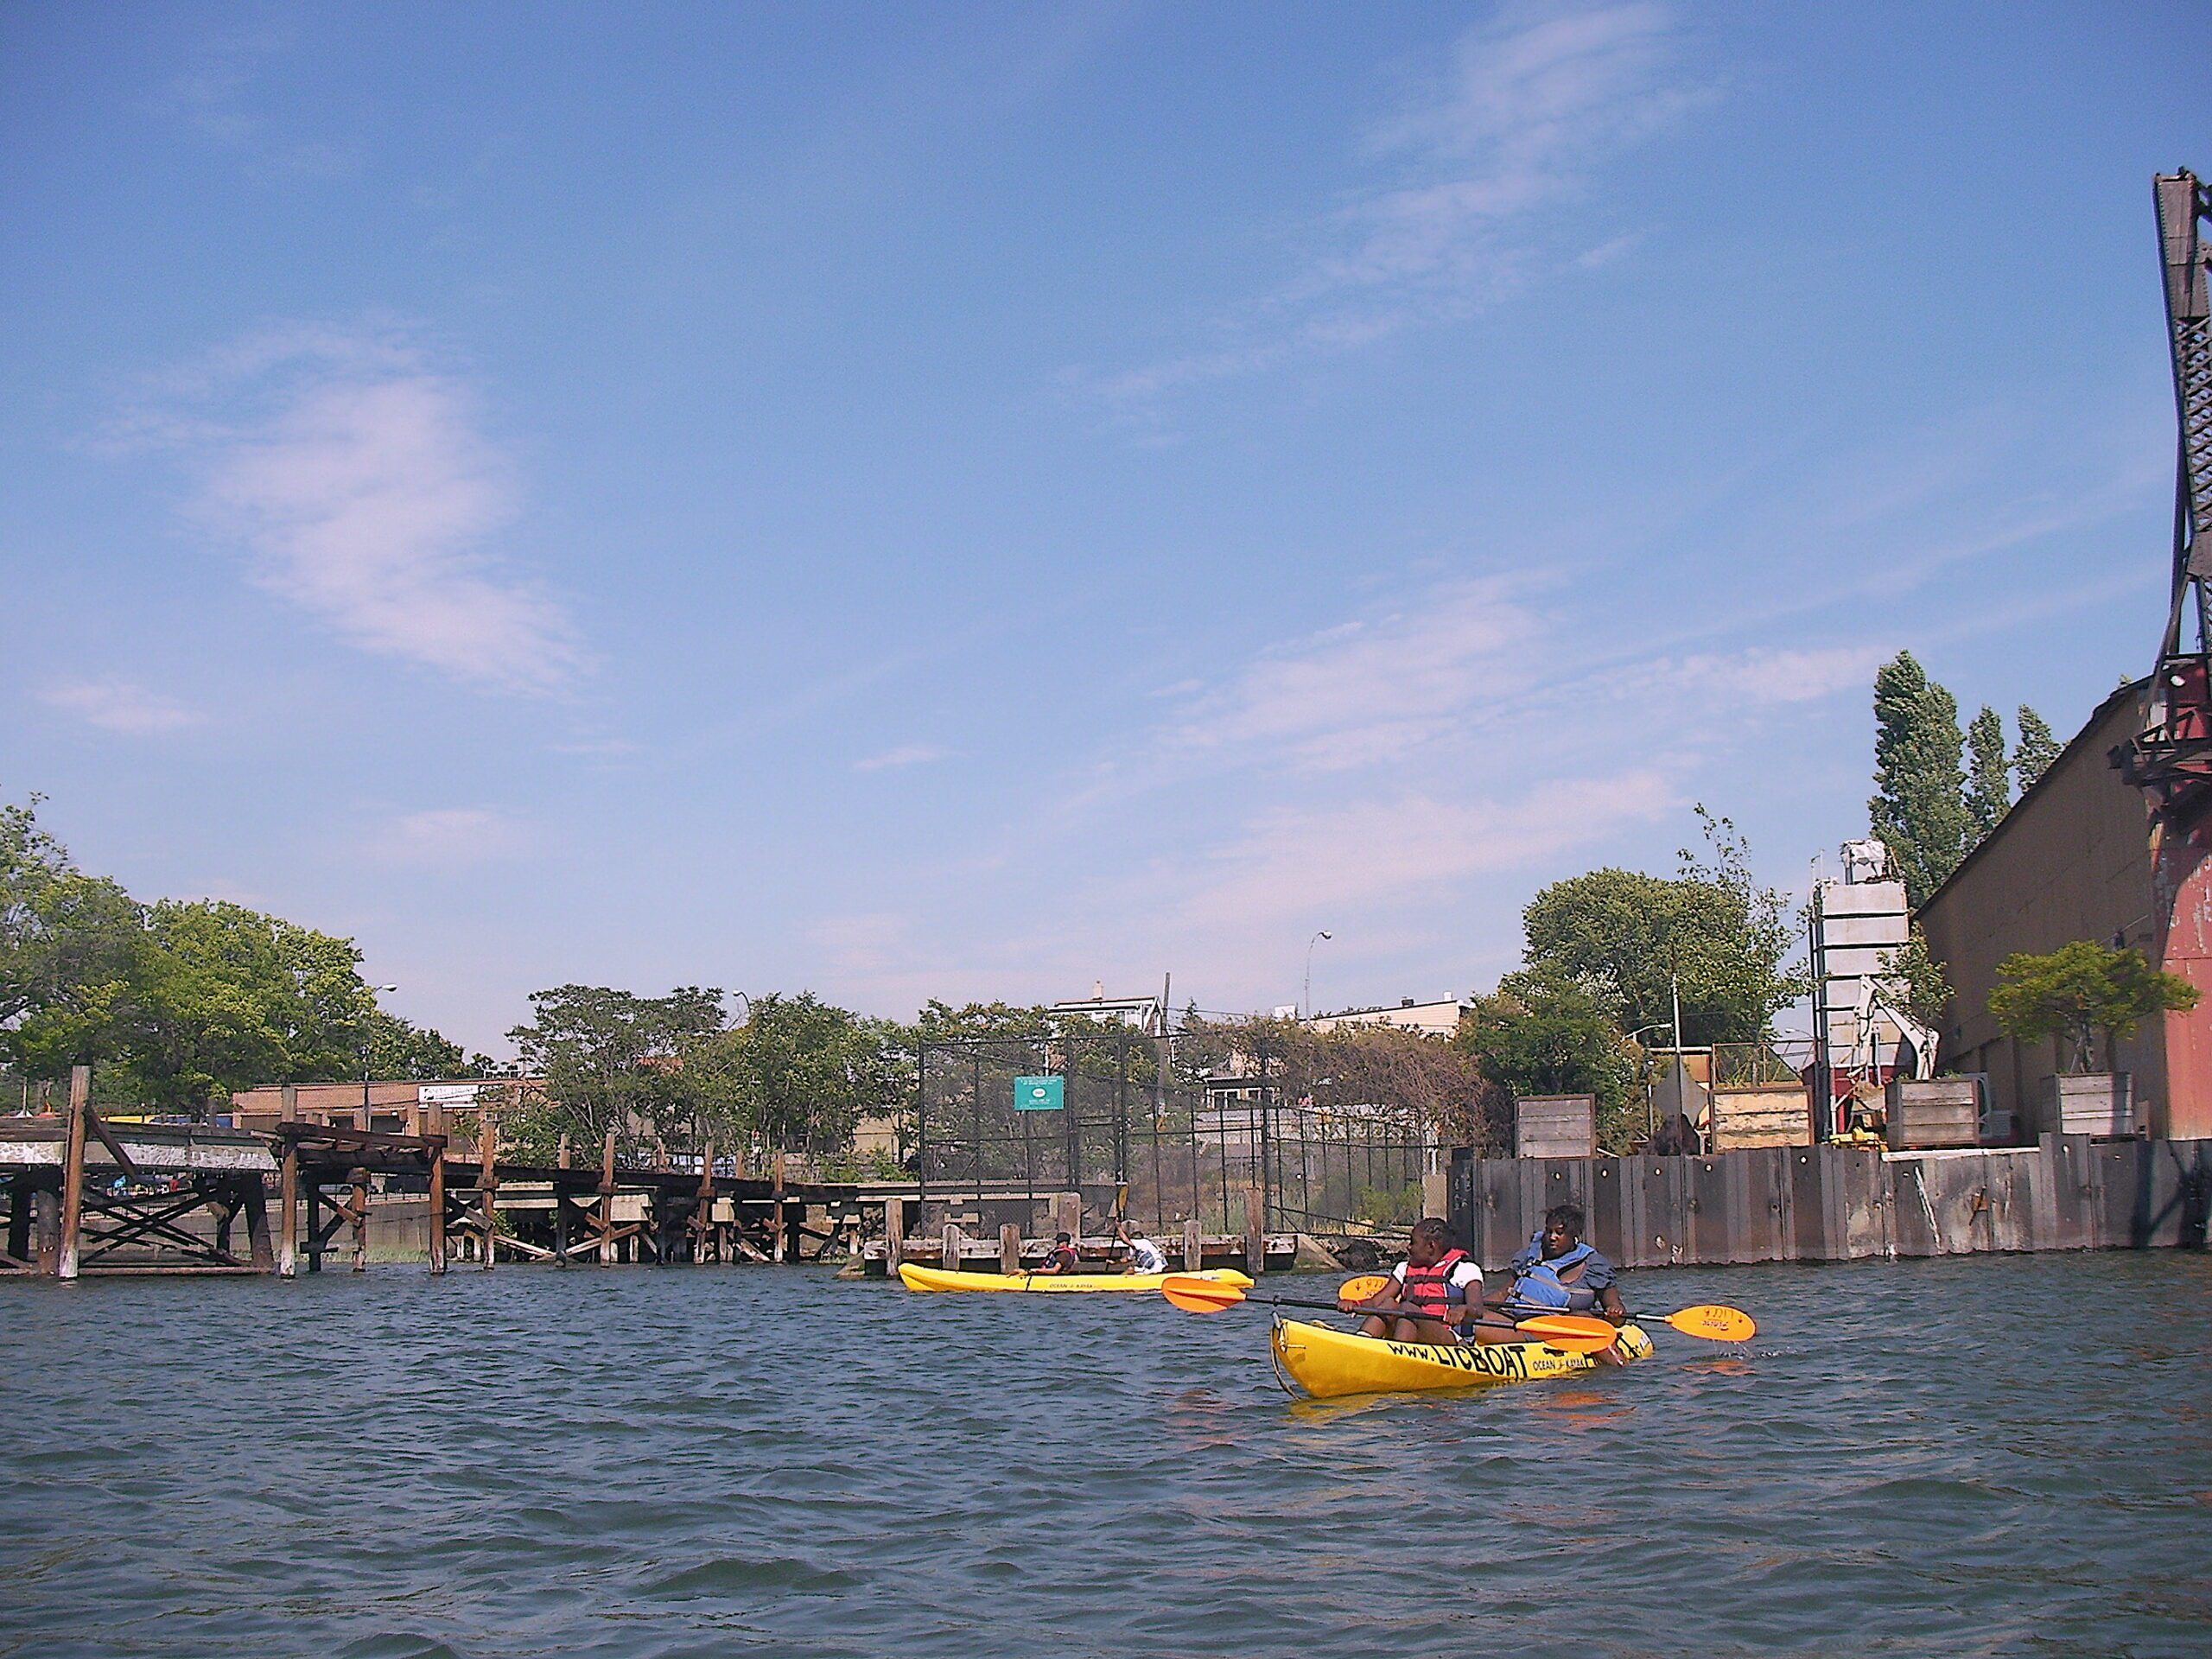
[2171, 759]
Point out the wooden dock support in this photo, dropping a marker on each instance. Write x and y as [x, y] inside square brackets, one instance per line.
[1010, 1248]
[73, 1172]
[358, 1213]
[288, 1190]
[488, 1184]
[1256, 1231]
[894, 1234]
[1194, 1245]
[436, 1127]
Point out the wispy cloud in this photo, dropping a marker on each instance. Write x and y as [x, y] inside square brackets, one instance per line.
[1373, 853]
[1374, 688]
[448, 834]
[120, 706]
[1528, 111]
[1761, 675]
[359, 479]
[213, 96]
[907, 755]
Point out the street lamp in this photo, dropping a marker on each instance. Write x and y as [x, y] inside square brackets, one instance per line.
[1310, 943]
[373, 990]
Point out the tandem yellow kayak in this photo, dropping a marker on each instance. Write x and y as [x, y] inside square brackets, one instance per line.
[915, 1278]
[1326, 1363]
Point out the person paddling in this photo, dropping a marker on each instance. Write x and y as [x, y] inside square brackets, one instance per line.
[1063, 1258]
[1429, 1293]
[1556, 1272]
[1145, 1256]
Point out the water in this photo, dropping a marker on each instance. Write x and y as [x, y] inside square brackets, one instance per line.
[2006, 1455]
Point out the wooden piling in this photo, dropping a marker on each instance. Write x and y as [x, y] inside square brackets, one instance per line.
[951, 1259]
[358, 1213]
[703, 1212]
[606, 1202]
[73, 1172]
[1010, 1248]
[1194, 1245]
[1067, 1215]
[894, 1234]
[487, 1186]
[19, 1217]
[1256, 1231]
[254, 1203]
[777, 1224]
[435, 1126]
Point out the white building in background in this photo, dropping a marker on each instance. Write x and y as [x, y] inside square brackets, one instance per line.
[1437, 1018]
[1141, 1013]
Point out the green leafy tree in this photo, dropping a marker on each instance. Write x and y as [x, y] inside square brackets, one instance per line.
[1918, 809]
[611, 1059]
[399, 1050]
[221, 997]
[2080, 989]
[2037, 750]
[1726, 939]
[68, 943]
[800, 1073]
[1544, 1033]
[1989, 781]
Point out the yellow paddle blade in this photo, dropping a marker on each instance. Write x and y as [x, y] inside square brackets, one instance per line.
[1359, 1289]
[1714, 1322]
[1200, 1295]
[1573, 1331]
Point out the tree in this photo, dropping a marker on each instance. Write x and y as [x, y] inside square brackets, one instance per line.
[1989, 783]
[611, 1059]
[1543, 1032]
[2037, 749]
[1918, 809]
[220, 997]
[2082, 988]
[67, 943]
[1712, 929]
[801, 1073]
[401, 1052]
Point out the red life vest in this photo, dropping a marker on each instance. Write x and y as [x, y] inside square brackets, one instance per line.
[1428, 1293]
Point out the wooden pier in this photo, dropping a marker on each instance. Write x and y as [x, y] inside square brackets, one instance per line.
[85, 1196]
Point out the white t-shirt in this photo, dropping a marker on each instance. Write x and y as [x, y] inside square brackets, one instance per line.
[1147, 1255]
[1465, 1276]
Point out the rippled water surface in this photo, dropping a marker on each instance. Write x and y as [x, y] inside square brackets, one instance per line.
[2003, 1456]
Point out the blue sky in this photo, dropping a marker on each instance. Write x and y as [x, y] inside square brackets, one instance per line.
[971, 500]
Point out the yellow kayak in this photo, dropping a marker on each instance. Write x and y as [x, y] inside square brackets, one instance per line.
[1325, 1362]
[915, 1278]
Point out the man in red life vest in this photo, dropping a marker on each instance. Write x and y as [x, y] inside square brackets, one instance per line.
[1430, 1294]
[1063, 1259]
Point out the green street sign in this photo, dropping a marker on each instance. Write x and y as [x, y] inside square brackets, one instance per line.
[1040, 1094]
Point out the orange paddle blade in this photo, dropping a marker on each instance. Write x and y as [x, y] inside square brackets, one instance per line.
[1359, 1289]
[1714, 1322]
[1572, 1331]
[1200, 1295]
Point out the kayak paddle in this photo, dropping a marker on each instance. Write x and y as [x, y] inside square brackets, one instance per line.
[1712, 1320]
[1567, 1330]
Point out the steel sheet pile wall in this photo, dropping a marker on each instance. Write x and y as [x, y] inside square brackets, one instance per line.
[1838, 1203]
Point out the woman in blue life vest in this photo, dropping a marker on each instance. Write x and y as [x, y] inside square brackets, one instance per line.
[1436, 1289]
[1557, 1273]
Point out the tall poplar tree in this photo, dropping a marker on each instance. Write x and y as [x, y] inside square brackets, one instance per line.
[1919, 806]
[1989, 784]
[2039, 748]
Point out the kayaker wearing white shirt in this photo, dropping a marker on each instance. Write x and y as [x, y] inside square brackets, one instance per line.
[1432, 1292]
[1145, 1256]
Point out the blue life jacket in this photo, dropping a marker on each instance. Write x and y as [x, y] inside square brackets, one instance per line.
[1539, 1283]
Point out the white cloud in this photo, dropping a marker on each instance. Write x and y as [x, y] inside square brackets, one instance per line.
[120, 706]
[1295, 863]
[448, 834]
[907, 755]
[1372, 689]
[1530, 107]
[1767, 676]
[360, 481]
